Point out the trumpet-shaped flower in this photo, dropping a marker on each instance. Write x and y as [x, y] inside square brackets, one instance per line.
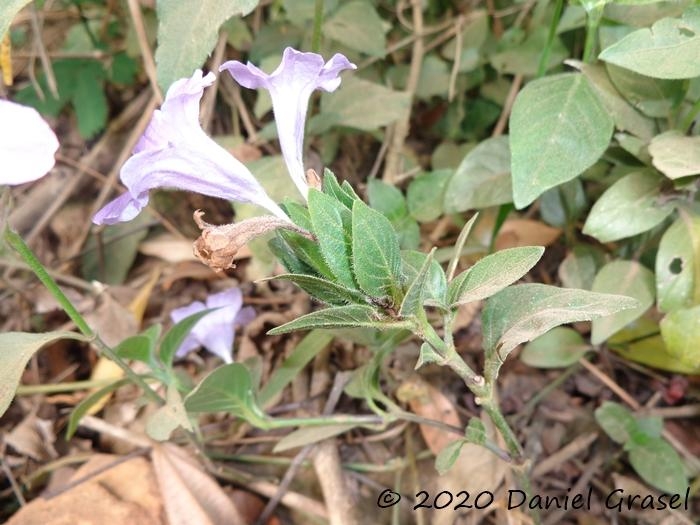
[214, 331]
[290, 87]
[27, 144]
[175, 152]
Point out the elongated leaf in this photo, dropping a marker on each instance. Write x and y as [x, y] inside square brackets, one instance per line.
[522, 312]
[680, 330]
[558, 128]
[309, 435]
[187, 33]
[628, 207]
[658, 464]
[376, 256]
[340, 193]
[625, 278]
[8, 11]
[492, 273]
[415, 295]
[617, 422]
[675, 155]
[332, 224]
[351, 316]
[16, 349]
[678, 265]
[83, 408]
[448, 455]
[228, 388]
[558, 348]
[323, 290]
[137, 347]
[174, 337]
[435, 289]
[669, 49]
[482, 179]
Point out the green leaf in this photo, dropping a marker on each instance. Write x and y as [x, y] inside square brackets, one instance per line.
[561, 206]
[16, 349]
[8, 11]
[340, 193]
[174, 337]
[310, 435]
[226, 389]
[332, 224]
[82, 408]
[669, 49]
[677, 261]
[281, 249]
[351, 316]
[629, 207]
[475, 431]
[559, 348]
[360, 104]
[435, 288]
[386, 199]
[376, 255]
[658, 464]
[426, 193]
[415, 295]
[492, 273]
[624, 278]
[168, 417]
[680, 330]
[579, 267]
[675, 155]
[523, 57]
[652, 96]
[89, 100]
[307, 252]
[357, 25]
[137, 347]
[428, 355]
[558, 129]
[448, 455]
[323, 290]
[522, 312]
[187, 33]
[302, 354]
[617, 422]
[482, 179]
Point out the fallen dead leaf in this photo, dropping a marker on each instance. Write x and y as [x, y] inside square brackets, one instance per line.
[169, 248]
[525, 232]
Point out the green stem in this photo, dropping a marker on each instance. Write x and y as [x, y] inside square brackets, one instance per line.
[340, 419]
[592, 22]
[17, 243]
[544, 57]
[55, 388]
[318, 20]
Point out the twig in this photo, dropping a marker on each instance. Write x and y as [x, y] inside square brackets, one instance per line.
[209, 98]
[41, 51]
[508, 106]
[578, 445]
[149, 63]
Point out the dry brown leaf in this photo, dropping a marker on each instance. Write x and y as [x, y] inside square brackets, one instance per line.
[427, 401]
[125, 493]
[189, 494]
[33, 437]
[525, 232]
[169, 248]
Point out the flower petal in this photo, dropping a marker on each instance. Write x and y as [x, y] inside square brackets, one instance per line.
[27, 144]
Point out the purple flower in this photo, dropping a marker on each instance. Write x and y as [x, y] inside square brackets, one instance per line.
[214, 331]
[27, 144]
[174, 152]
[290, 87]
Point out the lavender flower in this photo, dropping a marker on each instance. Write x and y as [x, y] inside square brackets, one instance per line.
[175, 152]
[214, 331]
[290, 86]
[27, 144]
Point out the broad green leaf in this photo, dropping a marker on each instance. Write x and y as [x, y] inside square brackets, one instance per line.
[624, 278]
[523, 57]
[658, 464]
[492, 273]
[415, 295]
[360, 104]
[448, 455]
[579, 267]
[675, 155]
[522, 312]
[617, 422]
[677, 261]
[83, 408]
[558, 129]
[187, 33]
[626, 117]
[174, 337]
[482, 179]
[351, 316]
[669, 49]
[426, 193]
[137, 347]
[376, 256]
[563, 205]
[386, 199]
[8, 11]
[168, 417]
[323, 290]
[308, 348]
[436, 284]
[559, 348]
[16, 349]
[226, 389]
[629, 207]
[358, 26]
[310, 435]
[654, 97]
[332, 224]
[680, 330]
